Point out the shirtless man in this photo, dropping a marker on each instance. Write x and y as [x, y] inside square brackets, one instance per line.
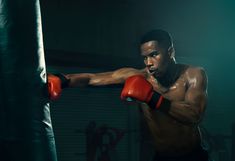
[173, 96]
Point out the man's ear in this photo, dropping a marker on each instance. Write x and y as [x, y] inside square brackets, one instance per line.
[171, 51]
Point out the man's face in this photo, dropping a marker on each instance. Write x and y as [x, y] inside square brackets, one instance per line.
[156, 58]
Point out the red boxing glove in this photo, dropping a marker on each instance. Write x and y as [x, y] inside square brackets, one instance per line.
[138, 88]
[54, 86]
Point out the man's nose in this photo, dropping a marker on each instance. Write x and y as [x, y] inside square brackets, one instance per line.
[149, 61]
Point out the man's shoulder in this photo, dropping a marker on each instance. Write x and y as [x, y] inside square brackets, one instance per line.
[195, 73]
[190, 70]
[195, 70]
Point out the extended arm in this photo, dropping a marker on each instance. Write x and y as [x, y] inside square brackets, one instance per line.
[57, 82]
[98, 79]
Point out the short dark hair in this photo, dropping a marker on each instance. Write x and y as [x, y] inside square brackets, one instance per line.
[162, 37]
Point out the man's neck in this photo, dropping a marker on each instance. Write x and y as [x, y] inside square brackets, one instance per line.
[172, 74]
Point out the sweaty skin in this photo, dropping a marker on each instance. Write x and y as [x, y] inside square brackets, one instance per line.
[175, 132]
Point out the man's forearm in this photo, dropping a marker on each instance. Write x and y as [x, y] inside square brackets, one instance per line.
[78, 80]
[185, 112]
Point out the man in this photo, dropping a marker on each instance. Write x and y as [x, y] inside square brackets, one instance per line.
[173, 96]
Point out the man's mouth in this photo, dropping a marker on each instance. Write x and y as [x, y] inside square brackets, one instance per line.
[152, 71]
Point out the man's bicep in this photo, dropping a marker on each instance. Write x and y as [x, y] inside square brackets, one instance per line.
[114, 77]
[196, 94]
[197, 99]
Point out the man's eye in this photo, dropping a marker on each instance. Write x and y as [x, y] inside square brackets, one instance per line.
[154, 54]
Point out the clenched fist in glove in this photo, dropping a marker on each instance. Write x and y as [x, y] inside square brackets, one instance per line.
[138, 88]
[55, 84]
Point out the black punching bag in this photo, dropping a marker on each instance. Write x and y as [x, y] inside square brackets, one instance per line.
[26, 132]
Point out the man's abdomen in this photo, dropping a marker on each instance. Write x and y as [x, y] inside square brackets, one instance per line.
[171, 137]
